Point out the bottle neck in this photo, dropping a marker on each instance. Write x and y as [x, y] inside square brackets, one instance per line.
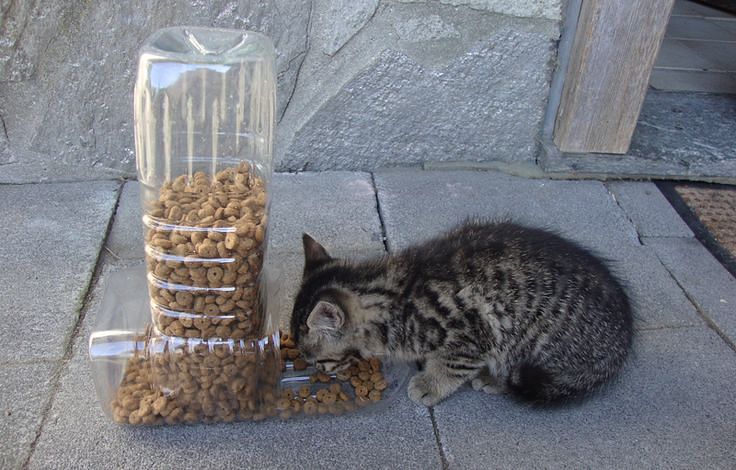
[117, 344]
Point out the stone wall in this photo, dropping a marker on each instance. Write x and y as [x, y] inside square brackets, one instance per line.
[361, 83]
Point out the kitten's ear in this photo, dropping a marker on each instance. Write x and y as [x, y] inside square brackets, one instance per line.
[326, 316]
[314, 253]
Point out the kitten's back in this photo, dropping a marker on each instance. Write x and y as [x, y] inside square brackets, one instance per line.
[571, 318]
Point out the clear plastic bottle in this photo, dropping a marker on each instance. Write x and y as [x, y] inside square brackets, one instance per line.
[204, 119]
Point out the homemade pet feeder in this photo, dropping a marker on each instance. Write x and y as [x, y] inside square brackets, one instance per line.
[192, 336]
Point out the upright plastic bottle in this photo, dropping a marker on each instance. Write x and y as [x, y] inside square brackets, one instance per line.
[204, 118]
[204, 107]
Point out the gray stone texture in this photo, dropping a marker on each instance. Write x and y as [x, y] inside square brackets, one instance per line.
[551, 9]
[68, 70]
[581, 210]
[422, 83]
[680, 135]
[126, 236]
[657, 300]
[342, 19]
[428, 28]
[336, 208]
[52, 234]
[23, 395]
[651, 213]
[673, 407]
[705, 280]
[361, 84]
[691, 129]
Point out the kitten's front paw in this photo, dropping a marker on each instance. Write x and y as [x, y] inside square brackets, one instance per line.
[488, 384]
[423, 390]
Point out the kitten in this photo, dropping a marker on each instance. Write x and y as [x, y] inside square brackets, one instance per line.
[510, 308]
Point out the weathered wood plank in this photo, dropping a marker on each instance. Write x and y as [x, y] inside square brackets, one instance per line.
[615, 46]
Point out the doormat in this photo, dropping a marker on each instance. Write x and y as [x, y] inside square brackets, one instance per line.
[710, 212]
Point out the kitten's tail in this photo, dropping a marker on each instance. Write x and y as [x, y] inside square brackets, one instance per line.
[534, 384]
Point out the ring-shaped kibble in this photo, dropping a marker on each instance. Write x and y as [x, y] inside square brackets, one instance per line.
[215, 274]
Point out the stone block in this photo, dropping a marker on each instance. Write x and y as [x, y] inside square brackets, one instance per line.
[126, 236]
[704, 279]
[25, 390]
[651, 213]
[68, 111]
[417, 205]
[52, 237]
[336, 208]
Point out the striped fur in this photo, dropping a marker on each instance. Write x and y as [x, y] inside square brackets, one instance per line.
[505, 307]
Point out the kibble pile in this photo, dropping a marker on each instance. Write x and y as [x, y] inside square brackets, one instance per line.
[358, 386]
[197, 381]
[207, 383]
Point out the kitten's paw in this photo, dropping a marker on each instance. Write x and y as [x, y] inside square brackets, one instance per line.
[488, 385]
[423, 390]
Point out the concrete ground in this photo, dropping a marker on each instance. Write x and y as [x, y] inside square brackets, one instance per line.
[673, 407]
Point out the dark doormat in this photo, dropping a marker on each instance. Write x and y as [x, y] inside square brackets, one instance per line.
[710, 212]
[726, 5]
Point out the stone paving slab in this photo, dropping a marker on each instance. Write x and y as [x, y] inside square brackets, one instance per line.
[417, 205]
[126, 236]
[78, 435]
[657, 300]
[704, 279]
[52, 234]
[651, 213]
[673, 408]
[338, 208]
[23, 395]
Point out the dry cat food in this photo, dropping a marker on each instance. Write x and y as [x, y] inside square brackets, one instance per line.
[336, 394]
[205, 245]
[193, 382]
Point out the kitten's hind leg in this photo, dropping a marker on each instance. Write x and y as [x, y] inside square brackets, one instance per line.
[489, 383]
[440, 377]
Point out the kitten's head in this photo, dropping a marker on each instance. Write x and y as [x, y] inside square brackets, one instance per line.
[324, 322]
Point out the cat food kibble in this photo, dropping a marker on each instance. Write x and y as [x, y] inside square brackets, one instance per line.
[199, 384]
[222, 384]
[205, 247]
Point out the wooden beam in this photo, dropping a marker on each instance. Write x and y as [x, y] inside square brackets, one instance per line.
[616, 44]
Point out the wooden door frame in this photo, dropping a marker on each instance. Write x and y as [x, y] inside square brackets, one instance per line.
[612, 55]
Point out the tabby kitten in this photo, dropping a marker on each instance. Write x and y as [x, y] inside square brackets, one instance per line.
[507, 307]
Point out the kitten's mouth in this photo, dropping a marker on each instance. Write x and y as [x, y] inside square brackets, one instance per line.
[329, 366]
